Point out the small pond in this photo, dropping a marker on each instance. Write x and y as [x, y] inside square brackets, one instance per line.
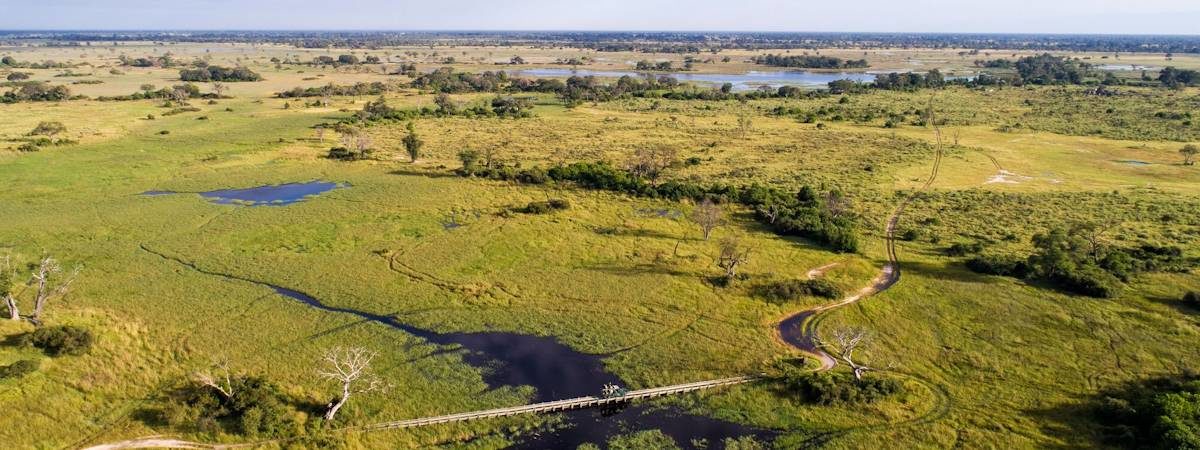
[269, 195]
[741, 82]
[1134, 162]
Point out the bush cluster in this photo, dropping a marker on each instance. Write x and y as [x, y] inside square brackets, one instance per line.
[218, 73]
[839, 389]
[257, 408]
[373, 88]
[1155, 413]
[1064, 258]
[61, 340]
[793, 289]
[18, 369]
[555, 204]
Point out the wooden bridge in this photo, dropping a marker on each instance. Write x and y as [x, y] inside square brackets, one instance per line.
[560, 405]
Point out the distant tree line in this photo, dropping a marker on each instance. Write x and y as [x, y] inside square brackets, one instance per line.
[810, 62]
[577, 89]
[657, 42]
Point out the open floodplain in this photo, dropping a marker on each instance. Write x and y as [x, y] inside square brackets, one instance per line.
[217, 228]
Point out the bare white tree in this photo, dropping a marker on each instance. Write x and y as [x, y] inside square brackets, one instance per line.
[350, 367]
[219, 88]
[363, 144]
[843, 343]
[709, 216]
[180, 96]
[7, 284]
[218, 377]
[47, 289]
[327, 95]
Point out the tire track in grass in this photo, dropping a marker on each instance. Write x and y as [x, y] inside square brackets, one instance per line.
[800, 329]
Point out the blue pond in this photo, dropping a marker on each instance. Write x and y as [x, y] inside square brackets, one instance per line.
[276, 195]
[271, 195]
[741, 82]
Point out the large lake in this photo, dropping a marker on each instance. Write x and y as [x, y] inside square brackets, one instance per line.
[741, 82]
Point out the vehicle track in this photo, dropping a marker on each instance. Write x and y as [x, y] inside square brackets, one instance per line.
[800, 329]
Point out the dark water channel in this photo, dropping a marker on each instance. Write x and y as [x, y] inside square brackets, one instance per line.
[557, 372]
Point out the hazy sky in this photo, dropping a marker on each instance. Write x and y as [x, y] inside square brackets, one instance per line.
[1053, 16]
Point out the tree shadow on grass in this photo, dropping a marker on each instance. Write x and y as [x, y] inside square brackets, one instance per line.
[1176, 304]
[1071, 423]
[640, 233]
[637, 269]
[950, 272]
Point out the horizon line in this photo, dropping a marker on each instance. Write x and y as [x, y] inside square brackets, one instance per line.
[597, 30]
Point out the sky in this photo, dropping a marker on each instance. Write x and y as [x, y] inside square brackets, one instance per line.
[1013, 16]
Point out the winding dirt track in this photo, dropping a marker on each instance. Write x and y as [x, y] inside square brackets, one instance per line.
[800, 330]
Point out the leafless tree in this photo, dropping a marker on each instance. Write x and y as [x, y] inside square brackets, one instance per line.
[843, 343]
[350, 136]
[47, 289]
[7, 283]
[709, 216]
[1094, 233]
[180, 96]
[218, 377]
[745, 124]
[651, 162]
[836, 204]
[327, 95]
[349, 366]
[362, 143]
[219, 88]
[733, 254]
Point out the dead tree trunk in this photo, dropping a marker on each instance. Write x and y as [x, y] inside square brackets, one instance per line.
[13, 312]
[349, 366]
[43, 277]
[335, 406]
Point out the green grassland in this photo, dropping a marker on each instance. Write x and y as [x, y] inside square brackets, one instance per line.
[988, 361]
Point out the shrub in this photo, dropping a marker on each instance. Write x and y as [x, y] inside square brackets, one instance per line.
[830, 388]
[1153, 413]
[28, 147]
[999, 265]
[61, 340]
[19, 369]
[545, 207]
[218, 73]
[1192, 298]
[964, 248]
[257, 408]
[1089, 280]
[793, 289]
[345, 154]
